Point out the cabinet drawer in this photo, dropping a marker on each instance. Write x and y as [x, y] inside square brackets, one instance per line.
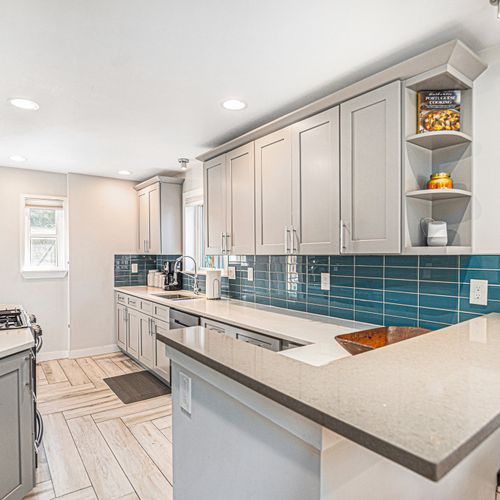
[121, 298]
[161, 312]
[133, 302]
[146, 307]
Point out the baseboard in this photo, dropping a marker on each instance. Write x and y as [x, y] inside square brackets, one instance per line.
[78, 353]
[49, 356]
[93, 351]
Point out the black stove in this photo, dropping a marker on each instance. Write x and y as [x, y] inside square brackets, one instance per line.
[12, 318]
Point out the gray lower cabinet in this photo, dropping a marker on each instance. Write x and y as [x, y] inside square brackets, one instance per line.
[370, 172]
[162, 361]
[147, 342]
[134, 319]
[16, 424]
[121, 325]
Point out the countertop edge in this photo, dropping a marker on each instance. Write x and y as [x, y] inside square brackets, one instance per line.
[413, 462]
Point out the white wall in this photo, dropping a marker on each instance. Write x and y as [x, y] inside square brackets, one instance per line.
[486, 137]
[103, 221]
[47, 298]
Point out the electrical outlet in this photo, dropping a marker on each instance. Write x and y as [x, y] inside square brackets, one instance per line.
[134, 268]
[231, 273]
[479, 292]
[185, 392]
[250, 274]
[325, 281]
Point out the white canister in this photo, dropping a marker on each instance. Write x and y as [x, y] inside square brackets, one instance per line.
[151, 277]
[437, 234]
[213, 284]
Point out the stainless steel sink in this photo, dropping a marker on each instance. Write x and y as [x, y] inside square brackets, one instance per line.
[175, 296]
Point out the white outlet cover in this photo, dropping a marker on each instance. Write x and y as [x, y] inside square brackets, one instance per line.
[478, 294]
[250, 274]
[134, 268]
[185, 392]
[231, 273]
[325, 281]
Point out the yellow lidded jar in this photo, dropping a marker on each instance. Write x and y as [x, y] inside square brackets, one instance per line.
[440, 180]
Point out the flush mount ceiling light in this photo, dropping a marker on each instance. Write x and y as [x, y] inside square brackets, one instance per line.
[26, 104]
[124, 172]
[17, 158]
[496, 3]
[184, 163]
[234, 105]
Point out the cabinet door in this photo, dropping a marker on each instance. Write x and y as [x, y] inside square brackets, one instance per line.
[162, 361]
[146, 342]
[143, 221]
[121, 326]
[273, 192]
[16, 417]
[315, 183]
[371, 171]
[134, 332]
[154, 244]
[240, 226]
[214, 192]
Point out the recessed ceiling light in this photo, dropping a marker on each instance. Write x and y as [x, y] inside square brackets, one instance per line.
[234, 104]
[124, 172]
[27, 104]
[17, 158]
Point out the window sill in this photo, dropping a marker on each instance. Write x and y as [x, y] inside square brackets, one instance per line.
[33, 274]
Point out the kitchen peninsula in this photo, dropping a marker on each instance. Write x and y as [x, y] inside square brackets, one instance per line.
[418, 419]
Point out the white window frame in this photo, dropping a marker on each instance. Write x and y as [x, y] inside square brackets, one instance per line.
[191, 199]
[43, 272]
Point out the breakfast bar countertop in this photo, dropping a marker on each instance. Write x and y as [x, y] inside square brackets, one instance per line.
[425, 403]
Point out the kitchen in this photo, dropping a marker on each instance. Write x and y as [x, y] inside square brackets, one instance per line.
[300, 279]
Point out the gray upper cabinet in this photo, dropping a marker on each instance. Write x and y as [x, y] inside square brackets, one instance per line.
[273, 193]
[229, 190]
[214, 189]
[160, 215]
[371, 172]
[315, 184]
[16, 418]
[240, 197]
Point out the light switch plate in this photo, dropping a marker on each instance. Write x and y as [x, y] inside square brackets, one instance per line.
[250, 274]
[231, 273]
[185, 392]
[134, 268]
[325, 281]
[478, 292]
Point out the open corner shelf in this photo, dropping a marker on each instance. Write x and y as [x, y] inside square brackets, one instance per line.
[440, 139]
[448, 250]
[438, 194]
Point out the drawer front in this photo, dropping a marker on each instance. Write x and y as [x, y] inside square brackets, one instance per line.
[161, 312]
[133, 302]
[147, 307]
[121, 298]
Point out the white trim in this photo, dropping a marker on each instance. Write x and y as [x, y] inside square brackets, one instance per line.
[31, 274]
[94, 351]
[49, 356]
[78, 353]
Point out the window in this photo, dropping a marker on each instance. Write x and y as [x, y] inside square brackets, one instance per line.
[194, 244]
[44, 237]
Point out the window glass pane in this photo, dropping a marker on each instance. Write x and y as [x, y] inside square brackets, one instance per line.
[42, 221]
[43, 252]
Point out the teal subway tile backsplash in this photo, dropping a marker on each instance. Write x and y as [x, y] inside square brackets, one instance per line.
[427, 291]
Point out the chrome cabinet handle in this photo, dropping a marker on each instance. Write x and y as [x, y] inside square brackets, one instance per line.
[343, 228]
[222, 243]
[293, 235]
[227, 243]
[286, 239]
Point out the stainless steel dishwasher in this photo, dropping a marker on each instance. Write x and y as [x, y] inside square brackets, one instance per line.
[260, 340]
[180, 319]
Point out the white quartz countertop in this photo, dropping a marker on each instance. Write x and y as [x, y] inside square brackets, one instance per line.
[301, 328]
[14, 341]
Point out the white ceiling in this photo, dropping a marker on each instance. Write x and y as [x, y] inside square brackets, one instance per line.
[134, 84]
